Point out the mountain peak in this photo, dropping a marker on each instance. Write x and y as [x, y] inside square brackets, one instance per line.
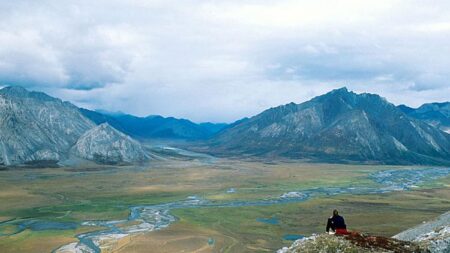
[341, 96]
[14, 90]
[342, 89]
[105, 144]
[340, 92]
[21, 92]
[341, 126]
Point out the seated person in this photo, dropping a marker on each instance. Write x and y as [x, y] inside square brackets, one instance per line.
[337, 224]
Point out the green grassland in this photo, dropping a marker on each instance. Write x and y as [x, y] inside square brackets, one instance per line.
[69, 194]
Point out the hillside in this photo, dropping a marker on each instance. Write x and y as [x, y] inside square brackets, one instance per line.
[339, 126]
[435, 114]
[104, 144]
[39, 130]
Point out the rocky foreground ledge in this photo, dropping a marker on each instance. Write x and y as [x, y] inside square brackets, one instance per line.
[430, 237]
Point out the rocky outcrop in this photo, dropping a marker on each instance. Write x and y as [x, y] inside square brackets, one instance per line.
[434, 235]
[355, 243]
[104, 144]
[429, 237]
[339, 126]
[37, 128]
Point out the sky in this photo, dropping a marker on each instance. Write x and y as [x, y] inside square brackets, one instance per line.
[219, 61]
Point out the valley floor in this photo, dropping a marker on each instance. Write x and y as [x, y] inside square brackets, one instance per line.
[43, 209]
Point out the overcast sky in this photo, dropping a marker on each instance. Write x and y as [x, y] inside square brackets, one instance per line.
[222, 60]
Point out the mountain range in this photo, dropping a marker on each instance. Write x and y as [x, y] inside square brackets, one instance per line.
[340, 126]
[155, 126]
[37, 129]
[435, 114]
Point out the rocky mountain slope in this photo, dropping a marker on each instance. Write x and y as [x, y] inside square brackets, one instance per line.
[35, 127]
[155, 126]
[104, 144]
[434, 235]
[435, 114]
[40, 130]
[338, 126]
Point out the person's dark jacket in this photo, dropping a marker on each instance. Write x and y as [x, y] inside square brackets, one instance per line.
[336, 222]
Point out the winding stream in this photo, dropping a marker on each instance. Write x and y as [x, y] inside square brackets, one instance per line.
[146, 218]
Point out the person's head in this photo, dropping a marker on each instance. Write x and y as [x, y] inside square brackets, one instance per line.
[335, 212]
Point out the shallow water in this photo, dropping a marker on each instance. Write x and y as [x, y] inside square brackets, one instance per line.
[36, 225]
[270, 221]
[40, 225]
[292, 237]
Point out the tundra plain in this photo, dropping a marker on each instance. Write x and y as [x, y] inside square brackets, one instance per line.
[74, 195]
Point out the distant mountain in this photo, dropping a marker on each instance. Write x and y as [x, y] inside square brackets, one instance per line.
[338, 126]
[38, 129]
[102, 117]
[104, 144]
[435, 114]
[405, 109]
[213, 128]
[155, 126]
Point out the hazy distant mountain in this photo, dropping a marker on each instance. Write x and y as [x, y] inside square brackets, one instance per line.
[213, 128]
[38, 129]
[435, 114]
[337, 126]
[155, 126]
[104, 144]
[102, 117]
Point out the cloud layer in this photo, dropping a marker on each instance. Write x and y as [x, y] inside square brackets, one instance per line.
[223, 60]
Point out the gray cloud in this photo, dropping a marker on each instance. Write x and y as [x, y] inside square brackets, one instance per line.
[219, 61]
